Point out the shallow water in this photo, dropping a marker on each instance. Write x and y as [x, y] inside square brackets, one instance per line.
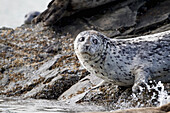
[18, 105]
[42, 106]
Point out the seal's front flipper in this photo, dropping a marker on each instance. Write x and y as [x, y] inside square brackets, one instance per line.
[141, 78]
[56, 10]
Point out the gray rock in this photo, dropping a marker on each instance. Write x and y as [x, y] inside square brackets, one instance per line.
[153, 16]
[58, 9]
[112, 21]
[4, 79]
[80, 89]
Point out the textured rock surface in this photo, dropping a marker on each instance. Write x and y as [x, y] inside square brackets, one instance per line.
[39, 62]
[57, 9]
[29, 63]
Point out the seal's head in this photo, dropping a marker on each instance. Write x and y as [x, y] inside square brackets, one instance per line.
[88, 44]
[30, 16]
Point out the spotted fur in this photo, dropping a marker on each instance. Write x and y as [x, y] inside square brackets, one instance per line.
[125, 62]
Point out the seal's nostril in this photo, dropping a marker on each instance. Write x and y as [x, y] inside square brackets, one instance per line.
[87, 47]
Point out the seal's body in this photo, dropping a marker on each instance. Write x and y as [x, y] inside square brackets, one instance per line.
[125, 62]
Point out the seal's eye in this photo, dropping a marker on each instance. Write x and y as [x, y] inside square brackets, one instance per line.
[81, 39]
[95, 41]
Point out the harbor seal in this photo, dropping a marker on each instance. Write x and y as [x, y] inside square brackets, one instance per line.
[30, 16]
[58, 9]
[125, 62]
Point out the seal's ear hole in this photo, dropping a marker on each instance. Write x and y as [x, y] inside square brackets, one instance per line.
[81, 39]
[95, 41]
[25, 16]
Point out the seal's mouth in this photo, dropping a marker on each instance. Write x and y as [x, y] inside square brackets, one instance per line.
[86, 53]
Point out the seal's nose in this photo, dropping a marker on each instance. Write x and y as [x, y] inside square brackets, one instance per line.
[87, 46]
